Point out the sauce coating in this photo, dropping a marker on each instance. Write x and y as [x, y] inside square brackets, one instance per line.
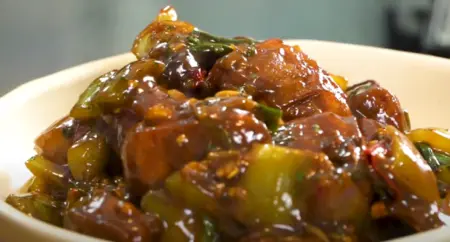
[206, 138]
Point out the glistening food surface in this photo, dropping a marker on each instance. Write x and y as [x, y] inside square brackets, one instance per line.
[213, 139]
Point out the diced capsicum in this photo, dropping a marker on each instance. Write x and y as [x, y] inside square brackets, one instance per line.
[438, 139]
[434, 145]
[272, 117]
[88, 157]
[37, 206]
[183, 224]
[270, 184]
[50, 172]
[86, 108]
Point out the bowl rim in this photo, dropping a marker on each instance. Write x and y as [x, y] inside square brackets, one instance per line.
[68, 76]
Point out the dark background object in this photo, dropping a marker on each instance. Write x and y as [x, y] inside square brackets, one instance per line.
[405, 21]
[419, 26]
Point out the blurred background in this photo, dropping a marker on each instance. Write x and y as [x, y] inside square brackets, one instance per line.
[40, 37]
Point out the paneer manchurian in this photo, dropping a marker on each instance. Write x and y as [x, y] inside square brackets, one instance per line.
[206, 138]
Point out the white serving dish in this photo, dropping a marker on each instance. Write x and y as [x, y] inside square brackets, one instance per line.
[421, 82]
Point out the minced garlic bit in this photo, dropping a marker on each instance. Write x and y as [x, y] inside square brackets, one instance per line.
[182, 139]
[158, 111]
[228, 93]
[177, 95]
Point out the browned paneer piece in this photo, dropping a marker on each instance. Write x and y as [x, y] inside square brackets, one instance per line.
[149, 102]
[279, 76]
[157, 105]
[232, 126]
[336, 136]
[369, 100]
[107, 217]
[147, 95]
[54, 142]
[151, 153]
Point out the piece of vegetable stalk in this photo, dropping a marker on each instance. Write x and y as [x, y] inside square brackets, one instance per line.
[271, 116]
[439, 162]
[200, 41]
[434, 145]
[438, 139]
[37, 206]
[52, 173]
[87, 158]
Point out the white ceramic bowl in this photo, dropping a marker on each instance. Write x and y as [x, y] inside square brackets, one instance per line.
[421, 82]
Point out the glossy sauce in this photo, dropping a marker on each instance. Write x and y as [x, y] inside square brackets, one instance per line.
[280, 76]
[107, 217]
[207, 138]
[338, 137]
[370, 100]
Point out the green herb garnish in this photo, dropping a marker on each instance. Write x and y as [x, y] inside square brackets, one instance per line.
[316, 128]
[435, 159]
[300, 176]
[270, 116]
